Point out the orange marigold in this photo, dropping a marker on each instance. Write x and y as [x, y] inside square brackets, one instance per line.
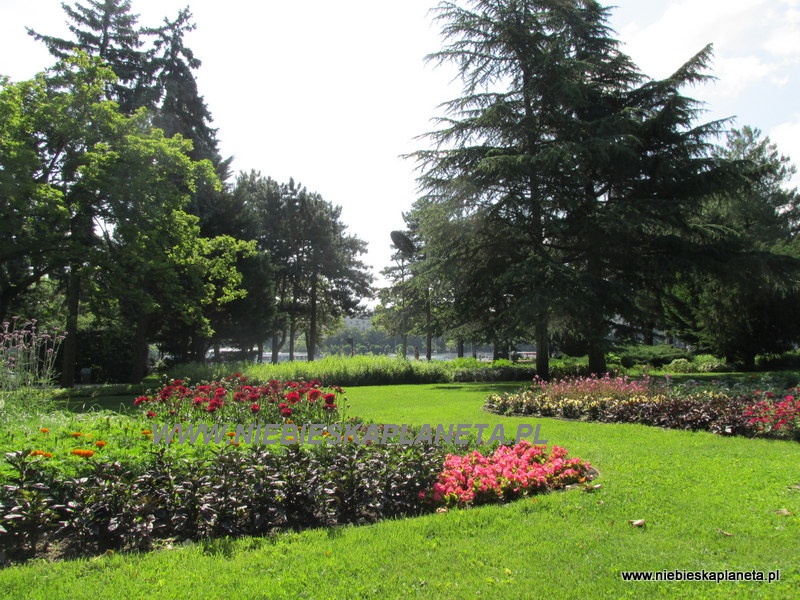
[83, 453]
[100, 443]
[76, 434]
[44, 430]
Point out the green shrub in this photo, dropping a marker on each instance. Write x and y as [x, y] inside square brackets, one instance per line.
[681, 365]
[655, 356]
[707, 363]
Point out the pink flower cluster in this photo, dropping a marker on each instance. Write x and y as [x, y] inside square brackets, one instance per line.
[772, 415]
[593, 386]
[510, 472]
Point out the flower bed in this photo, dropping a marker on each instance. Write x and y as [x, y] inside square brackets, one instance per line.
[235, 399]
[622, 400]
[81, 489]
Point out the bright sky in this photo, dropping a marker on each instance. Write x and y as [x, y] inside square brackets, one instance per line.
[332, 93]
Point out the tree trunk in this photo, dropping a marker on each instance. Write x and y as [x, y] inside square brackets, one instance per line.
[596, 323]
[649, 334]
[460, 348]
[597, 357]
[278, 340]
[292, 332]
[428, 334]
[70, 344]
[260, 358]
[141, 349]
[311, 344]
[543, 347]
[749, 361]
[501, 351]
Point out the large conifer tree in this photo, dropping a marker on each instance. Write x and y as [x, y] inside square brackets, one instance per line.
[562, 143]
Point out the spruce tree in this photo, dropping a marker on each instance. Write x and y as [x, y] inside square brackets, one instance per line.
[108, 29]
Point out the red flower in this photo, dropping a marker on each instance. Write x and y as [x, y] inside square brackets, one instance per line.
[254, 407]
[140, 400]
[150, 414]
[293, 397]
[286, 412]
[330, 398]
[314, 394]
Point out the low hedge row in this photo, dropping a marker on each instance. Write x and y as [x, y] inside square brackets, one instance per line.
[238, 491]
[257, 490]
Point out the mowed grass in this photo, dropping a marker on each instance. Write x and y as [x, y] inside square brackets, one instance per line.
[708, 502]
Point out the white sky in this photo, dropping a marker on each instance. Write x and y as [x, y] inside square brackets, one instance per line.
[332, 93]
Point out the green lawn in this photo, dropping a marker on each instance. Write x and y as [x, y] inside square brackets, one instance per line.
[708, 503]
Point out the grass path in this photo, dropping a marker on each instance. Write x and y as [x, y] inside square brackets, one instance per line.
[708, 502]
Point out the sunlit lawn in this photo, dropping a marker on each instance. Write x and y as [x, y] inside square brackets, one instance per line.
[708, 503]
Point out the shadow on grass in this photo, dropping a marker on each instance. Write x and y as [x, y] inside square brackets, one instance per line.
[488, 387]
[91, 398]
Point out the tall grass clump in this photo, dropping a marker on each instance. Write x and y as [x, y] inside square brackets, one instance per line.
[361, 370]
[27, 354]
[27, 366]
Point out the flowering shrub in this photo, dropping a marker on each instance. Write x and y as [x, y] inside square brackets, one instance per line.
[508, 473]
[235, 399]
[779, 417]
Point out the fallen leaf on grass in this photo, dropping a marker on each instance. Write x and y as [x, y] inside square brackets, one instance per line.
[590, 488]
[442, 509]
[724, 533]
[784, 512]
[637, 522]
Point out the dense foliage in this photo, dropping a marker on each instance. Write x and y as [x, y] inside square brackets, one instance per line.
[569, 197]
[119, 225]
